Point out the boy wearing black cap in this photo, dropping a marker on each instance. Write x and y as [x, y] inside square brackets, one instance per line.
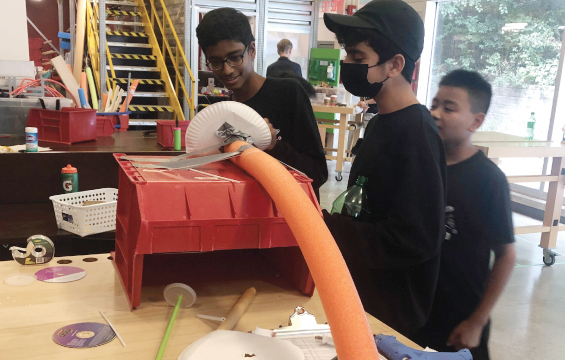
[229, 46]
[393, 255]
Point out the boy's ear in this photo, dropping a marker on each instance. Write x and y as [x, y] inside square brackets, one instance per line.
[397, 65]
[252, 51]
[477, 122]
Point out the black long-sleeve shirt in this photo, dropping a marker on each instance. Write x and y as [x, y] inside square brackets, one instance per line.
[287, 106]
[394, 255]
[283, 64]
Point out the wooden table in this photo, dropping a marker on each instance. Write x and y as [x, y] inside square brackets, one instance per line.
[342, 126]
[31, 314]
[497, 145]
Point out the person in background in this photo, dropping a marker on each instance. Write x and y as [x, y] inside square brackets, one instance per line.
[283, 64]
[478, 221]
[368, 104]
[393, 255]
[229, 46]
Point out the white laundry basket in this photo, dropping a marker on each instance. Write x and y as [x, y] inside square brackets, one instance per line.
[86, 220]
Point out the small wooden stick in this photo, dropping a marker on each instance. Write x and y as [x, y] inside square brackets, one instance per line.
[113, 328]
[238, 309]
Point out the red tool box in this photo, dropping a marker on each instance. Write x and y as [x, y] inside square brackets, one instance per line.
[214, 207]
[66, 126]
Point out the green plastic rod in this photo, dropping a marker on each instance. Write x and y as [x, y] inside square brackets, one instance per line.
[169, 329]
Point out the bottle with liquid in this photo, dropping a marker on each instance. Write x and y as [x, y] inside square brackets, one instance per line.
[330, 71]
[353, 202]
[69, 177]
[531, 127]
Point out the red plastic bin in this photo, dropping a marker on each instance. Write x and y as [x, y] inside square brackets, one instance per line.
[105, 123]
[200, 213]
[165, 135]
[66, 126]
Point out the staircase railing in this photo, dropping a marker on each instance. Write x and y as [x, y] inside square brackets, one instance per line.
[93, 43]
[163, 26]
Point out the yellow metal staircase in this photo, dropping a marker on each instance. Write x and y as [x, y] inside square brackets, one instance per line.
[136, 43]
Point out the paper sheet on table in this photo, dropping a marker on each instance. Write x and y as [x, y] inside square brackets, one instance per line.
[313, 349]
[17, 148]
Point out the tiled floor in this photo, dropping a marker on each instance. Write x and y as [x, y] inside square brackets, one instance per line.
[529, 319]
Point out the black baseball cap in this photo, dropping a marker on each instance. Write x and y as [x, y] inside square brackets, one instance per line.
[394, 19]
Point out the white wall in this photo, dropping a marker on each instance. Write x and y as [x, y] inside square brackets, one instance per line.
[13, 25]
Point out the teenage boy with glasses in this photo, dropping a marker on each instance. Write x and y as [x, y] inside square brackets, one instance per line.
[229, 46]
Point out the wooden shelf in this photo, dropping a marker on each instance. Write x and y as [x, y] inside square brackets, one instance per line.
[531, 178]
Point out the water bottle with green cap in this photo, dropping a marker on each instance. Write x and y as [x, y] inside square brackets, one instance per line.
[353, 201]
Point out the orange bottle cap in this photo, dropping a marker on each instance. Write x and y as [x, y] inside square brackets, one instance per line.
[69, 170]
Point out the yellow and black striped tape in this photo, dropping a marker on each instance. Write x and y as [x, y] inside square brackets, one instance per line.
[122, 12]
[134, 57]
[125, 33]
[141, 81]
[151, 108]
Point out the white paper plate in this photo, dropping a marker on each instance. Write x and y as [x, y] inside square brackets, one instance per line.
[201, 132]
[233, 345]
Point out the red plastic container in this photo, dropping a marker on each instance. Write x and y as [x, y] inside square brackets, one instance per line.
[165, 136]
[187, 211]
[66, 126]
[105, 124]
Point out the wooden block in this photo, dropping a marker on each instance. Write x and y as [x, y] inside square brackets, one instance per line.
[66, 75]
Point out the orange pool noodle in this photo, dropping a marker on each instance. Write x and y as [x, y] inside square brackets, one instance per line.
[350, 330]
[84, 84]
[132, 88]
[104, 99]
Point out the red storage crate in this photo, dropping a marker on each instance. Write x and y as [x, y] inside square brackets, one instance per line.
[106, 124]
[165, 135]
[66, 126]
[186, 211]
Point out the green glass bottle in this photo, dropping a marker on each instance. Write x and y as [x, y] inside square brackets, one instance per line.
[353, 202]
[531, 126]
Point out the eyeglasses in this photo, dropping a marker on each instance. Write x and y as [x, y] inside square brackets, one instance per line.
[233, 61]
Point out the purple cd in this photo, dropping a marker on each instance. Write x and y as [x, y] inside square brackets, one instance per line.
[60, 274]
[84, 335]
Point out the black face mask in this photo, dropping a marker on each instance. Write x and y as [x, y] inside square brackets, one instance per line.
[354, 78]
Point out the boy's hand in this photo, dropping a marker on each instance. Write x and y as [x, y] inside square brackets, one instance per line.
[467, 335]
[274, 133]
[363, 105]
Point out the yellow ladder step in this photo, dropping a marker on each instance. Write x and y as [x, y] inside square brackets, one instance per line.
[153, 108]
[141, 81]
[122, 12]
[133, 57]
[126, 33]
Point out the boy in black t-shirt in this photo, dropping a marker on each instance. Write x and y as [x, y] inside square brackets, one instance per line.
[225, 37]
[478, 220]
[393, 256]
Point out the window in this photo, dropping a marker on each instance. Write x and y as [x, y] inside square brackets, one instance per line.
[516, 46]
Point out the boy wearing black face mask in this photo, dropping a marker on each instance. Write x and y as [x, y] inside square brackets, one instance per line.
[393, 256]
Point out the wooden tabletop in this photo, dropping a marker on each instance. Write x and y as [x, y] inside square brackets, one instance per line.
[499, 145]
[333, 109]
[494, 136]
[31, 314]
